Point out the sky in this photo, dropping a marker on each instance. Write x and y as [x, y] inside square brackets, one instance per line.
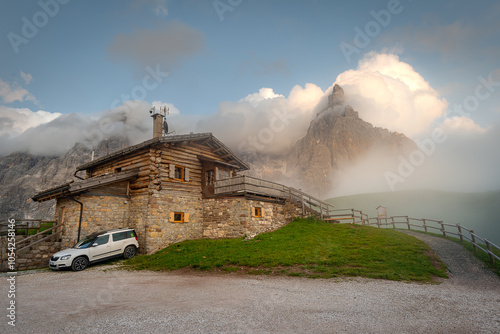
[255, 73]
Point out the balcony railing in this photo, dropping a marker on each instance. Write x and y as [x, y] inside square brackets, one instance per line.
[247, 185]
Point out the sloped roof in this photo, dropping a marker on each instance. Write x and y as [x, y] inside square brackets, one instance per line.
[206, 138]
[73, 188]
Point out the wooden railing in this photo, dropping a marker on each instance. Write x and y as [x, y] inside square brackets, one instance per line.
[27, 225]
[425, 225]
[247, 185]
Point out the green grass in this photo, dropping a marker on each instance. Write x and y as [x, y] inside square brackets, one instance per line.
[305, 247]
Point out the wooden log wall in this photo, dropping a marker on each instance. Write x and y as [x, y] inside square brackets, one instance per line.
[154, 164]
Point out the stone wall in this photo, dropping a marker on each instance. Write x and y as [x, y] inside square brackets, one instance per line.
[36, 256]
[159, 231]
[233, 217]
[99, 213]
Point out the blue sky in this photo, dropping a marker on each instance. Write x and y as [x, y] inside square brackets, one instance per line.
[275, 44]
[232, 66]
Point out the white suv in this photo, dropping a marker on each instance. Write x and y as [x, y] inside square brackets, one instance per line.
[97, 247]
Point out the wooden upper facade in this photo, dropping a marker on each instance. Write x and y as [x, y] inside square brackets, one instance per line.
[186, 164]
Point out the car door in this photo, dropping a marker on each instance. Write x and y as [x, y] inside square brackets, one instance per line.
[100, 248]
[118, 242]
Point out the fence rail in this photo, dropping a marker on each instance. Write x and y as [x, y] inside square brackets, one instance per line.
[27, 226]
[426, 225]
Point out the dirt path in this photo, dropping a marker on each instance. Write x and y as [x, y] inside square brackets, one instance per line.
[463, 267]
[103, 300]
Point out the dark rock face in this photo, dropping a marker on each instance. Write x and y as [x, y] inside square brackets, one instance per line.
[23, 175]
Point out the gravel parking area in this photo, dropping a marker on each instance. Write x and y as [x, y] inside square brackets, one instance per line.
[104, 300]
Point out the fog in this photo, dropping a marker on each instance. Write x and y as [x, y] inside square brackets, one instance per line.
[454, 154]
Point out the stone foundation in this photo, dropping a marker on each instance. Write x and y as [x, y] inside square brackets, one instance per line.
[37, 256]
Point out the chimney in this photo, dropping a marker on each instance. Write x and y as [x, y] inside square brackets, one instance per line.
[157, 125]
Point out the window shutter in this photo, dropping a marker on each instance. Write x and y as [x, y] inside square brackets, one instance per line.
[186, 174]
[262, 212]
[186, 217]
[171, 217]
[171, 171]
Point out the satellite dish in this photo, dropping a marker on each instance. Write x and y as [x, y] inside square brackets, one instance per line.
[165, 127]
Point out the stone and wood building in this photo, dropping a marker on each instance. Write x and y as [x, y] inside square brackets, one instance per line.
[173, 188]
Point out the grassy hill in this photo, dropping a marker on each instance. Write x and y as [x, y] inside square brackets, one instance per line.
[305, 247]
[478, 211]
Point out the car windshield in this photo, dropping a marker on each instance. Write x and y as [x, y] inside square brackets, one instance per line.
[85, 242]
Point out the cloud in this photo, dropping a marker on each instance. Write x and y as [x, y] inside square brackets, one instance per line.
[461, 124]
[389, 93]
[14, 121]
[45, 133]
[13, 92]
[26, 77]
[167, 45]
[264, 122]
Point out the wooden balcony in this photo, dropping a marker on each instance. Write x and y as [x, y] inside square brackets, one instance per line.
[251, 186]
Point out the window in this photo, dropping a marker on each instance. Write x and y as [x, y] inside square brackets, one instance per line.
[102, 240]
[118, 169]
[210, 174]
[120, 236]
[257, 212]
[179, 173]
[179, 217]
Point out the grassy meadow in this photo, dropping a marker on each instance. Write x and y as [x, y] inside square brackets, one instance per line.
[305, 247]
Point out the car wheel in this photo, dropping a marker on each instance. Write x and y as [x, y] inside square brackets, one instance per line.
[79, 263]
[129, 252]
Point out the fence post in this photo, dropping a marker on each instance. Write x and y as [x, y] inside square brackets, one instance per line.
[408, 222]
[490, 254]
[303, 208]
[393, 224]
[460, 232]
[442, 228]
[321, 210]
[473, 240]
[362, 218]
[378, 222]
[425, 225]
[353, 219]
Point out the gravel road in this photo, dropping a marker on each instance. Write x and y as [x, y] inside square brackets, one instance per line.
[104, 300]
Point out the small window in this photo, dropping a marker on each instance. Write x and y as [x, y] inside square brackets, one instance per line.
[179, 173]
[257, 212]
[179, 217]
[118, 169]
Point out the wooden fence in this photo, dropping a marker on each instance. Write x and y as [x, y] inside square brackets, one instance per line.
[422, 225]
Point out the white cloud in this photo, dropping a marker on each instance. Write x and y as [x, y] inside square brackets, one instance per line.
[12, 92]
[14, 121]
[166, 45]
[389, 93]
[461, 124]
[264, 122]
[28, 78]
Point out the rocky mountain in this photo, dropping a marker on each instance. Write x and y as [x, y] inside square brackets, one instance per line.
[22, 175]
[336, 138]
